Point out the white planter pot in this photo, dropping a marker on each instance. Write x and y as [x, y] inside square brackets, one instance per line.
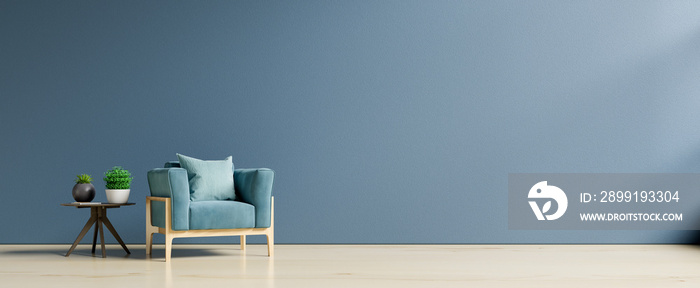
[117, 196]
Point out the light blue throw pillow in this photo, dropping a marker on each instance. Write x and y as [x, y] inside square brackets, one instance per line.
[209, 180]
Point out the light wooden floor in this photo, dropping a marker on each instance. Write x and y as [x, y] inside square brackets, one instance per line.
[355, 266]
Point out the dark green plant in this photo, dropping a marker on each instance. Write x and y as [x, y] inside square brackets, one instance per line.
[117, 178]
[83, 179]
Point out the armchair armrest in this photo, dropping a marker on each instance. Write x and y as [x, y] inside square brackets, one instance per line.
[254, 186]
[171, 183]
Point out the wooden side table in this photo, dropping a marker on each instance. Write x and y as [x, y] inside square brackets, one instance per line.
[98, 215]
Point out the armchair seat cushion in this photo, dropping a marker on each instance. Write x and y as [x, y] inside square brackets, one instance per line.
[221, 215]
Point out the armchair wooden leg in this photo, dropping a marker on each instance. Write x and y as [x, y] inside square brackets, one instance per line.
[242, 242]
[168, 228]
[271, 232]
[149, 242]
[168, 247]
[270, 244]
[149, 233]
[149, 238]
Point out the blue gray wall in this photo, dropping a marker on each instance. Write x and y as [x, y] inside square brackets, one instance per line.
[386, 121]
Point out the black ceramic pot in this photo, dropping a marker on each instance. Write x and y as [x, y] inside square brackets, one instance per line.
[83, 192]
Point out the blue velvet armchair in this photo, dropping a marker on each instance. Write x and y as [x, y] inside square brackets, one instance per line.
[171, 212]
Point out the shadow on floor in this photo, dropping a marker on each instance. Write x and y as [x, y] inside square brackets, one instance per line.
[138, 252]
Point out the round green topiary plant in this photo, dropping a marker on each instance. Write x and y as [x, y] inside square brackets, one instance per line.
[117, 178]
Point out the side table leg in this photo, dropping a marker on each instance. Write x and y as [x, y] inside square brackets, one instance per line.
[102, 234]
[86, 228]
[97, 227]
[114, 232]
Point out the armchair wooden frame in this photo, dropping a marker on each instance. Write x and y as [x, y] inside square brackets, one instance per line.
[170, 234]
